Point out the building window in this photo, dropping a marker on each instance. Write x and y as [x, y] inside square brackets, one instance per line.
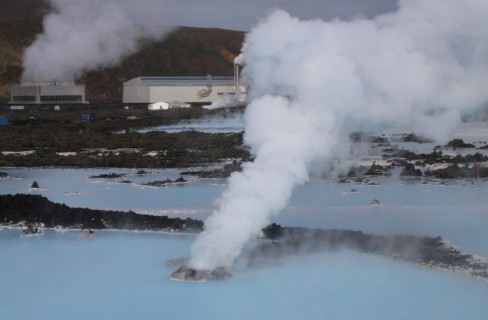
[60, 99]
[23, 98]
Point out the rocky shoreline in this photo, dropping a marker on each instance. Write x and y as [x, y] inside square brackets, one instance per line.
[24, 210]
[113, 140]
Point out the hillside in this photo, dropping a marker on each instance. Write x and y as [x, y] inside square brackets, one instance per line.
[185, 52]
[23, 8]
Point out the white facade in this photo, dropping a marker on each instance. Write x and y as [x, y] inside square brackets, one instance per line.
[193, 90]
[167, 106]
[158, 106]
[47, 92]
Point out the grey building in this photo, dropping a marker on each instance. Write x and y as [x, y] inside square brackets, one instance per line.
[192, 90]
[47, 92]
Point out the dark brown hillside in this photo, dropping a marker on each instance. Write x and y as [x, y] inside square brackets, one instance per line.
[185, 52]
[23, 8]
[20, 22]
[15, 35]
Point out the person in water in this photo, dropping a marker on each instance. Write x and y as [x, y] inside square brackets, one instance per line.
[90, 233]
[31, 230]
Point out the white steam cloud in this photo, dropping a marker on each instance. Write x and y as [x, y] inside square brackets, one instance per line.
[81, 35]
[314, 82]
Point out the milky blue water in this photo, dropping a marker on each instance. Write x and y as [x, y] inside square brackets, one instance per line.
[232, 124]
[122, 275]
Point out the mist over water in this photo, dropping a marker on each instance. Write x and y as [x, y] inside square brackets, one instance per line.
[215, 124]
[83, 35]
[314, 82]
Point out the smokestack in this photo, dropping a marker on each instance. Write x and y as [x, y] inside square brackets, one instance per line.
[312, 83]
[236, 82]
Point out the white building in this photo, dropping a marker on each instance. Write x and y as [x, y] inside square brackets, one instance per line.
[47, 92]
[191, 90]
[167, 105]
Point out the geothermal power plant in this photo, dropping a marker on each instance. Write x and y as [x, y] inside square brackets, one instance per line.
[171, 91]
[47, 92]
[190, 90]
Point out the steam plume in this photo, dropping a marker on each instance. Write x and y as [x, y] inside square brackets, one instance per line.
[314, 82]
[79, 36]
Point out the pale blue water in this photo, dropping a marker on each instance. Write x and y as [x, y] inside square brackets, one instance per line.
[458, 212]
[122, 275]
[233, 124]
[75, 188]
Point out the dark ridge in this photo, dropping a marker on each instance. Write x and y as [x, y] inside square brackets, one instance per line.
[34, 209]
[427, 251]
[289, 240]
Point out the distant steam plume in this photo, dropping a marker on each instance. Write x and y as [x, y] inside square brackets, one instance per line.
[314, 82]
[81, 35]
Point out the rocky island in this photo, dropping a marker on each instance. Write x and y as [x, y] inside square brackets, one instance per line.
[279, 242]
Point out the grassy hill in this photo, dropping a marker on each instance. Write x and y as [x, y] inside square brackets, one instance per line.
[185, 52]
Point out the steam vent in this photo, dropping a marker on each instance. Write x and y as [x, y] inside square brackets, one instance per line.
[185, 273]
[47, 92]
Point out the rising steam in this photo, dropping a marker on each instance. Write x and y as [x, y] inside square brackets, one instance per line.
[81, 35]
[314, 82]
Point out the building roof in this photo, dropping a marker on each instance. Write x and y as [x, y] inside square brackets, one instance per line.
[48, 83]
[179, 81]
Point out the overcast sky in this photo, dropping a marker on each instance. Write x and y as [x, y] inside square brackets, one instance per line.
[243, 14]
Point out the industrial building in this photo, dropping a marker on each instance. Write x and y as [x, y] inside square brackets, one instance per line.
[47, 92]
[187, 90]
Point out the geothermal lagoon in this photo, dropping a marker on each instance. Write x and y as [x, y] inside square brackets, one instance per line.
[123, 275]
[312, 84]
[60, 274]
